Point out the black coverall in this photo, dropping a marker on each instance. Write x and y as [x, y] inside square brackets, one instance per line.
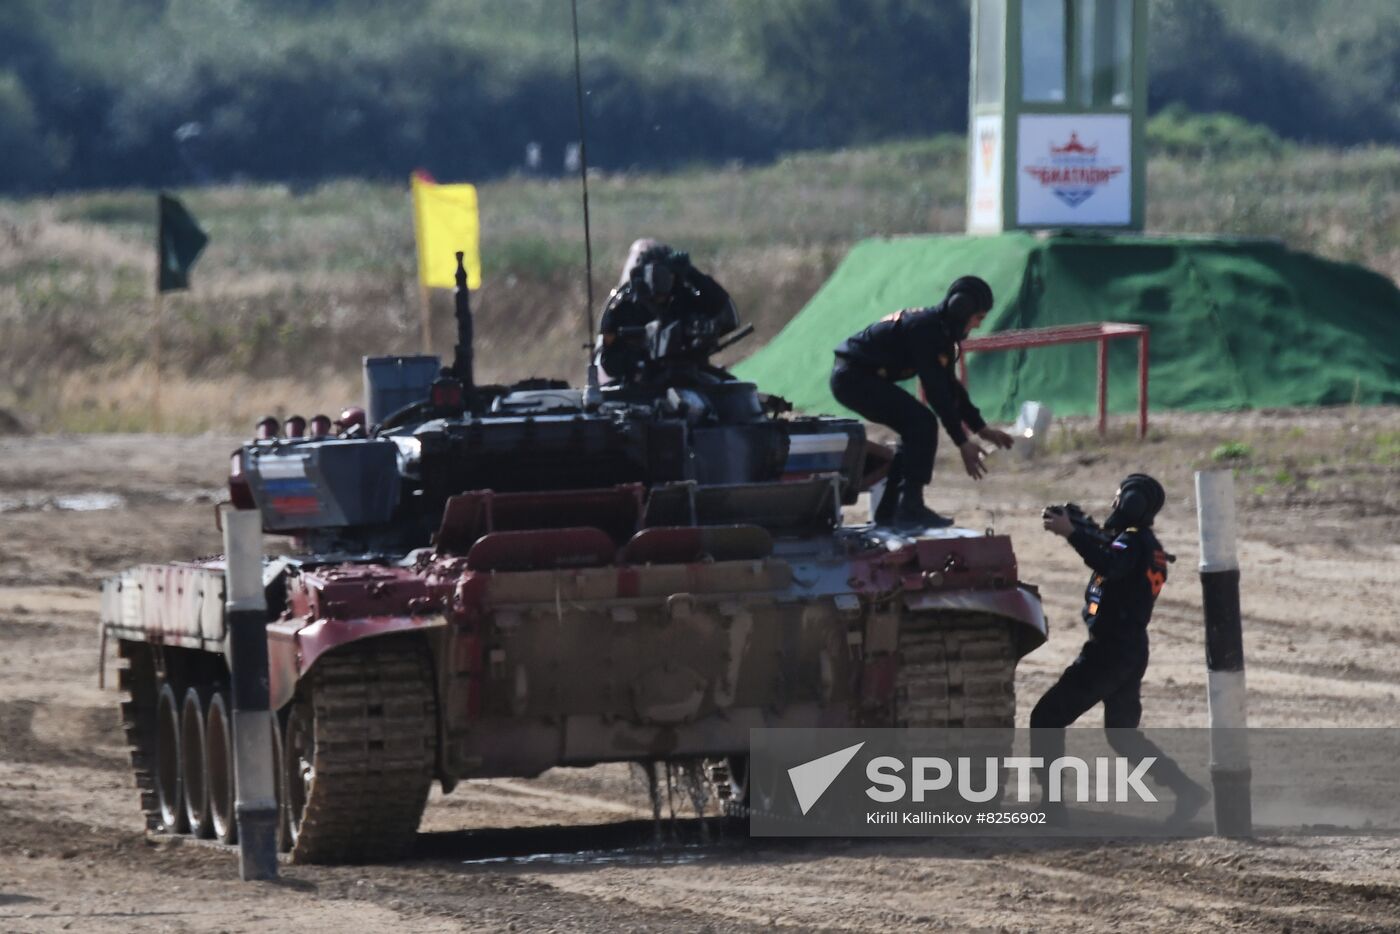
[1129, 572]
[624, 357]
[914, 342]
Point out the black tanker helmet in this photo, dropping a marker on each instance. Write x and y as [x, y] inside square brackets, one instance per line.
[657, 269]
[967, 296]
[1140, 498]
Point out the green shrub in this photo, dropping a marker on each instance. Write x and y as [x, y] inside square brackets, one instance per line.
[1232, 451]
[1388, 448]
[305, 90]
[1181, 134]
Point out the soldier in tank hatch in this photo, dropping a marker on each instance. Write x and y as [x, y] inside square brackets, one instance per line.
[922, 342]
[1129, 568]
[660, 287]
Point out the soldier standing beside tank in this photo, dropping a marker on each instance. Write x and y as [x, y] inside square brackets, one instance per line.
[659, 285]
[922, 342]
[1129, 569]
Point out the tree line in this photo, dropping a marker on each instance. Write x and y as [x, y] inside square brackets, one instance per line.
[113, 93]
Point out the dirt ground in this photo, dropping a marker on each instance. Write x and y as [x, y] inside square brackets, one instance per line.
[1319, 513]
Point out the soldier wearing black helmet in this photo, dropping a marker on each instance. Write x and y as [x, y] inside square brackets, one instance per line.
[922, 342]
[1129, 569]
[663, 307]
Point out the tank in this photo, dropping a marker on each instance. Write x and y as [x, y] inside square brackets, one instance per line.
[495, 581]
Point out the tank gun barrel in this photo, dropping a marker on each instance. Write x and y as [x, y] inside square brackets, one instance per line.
[462, 358]
[733, 339]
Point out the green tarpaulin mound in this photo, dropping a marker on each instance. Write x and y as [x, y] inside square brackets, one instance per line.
[1234, 323]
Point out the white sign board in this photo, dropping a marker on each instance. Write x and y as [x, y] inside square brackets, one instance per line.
[1074, 170]
[984, 186]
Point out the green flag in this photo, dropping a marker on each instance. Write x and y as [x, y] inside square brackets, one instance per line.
[179, 241]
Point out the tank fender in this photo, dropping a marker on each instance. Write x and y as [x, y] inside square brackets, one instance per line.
[1020, 604]
[293, 646]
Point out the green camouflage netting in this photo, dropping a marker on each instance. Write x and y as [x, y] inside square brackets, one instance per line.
[1235, 323]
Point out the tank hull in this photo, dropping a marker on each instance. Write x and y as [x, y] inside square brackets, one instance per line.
[538, 667]
[645, 622]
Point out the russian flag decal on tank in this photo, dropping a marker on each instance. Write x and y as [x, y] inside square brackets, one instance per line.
[290, 491]
[816, 453]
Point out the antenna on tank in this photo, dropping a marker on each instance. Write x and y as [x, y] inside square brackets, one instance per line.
[593, 394]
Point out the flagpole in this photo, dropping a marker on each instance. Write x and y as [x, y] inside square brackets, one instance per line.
[425, 295]
[179, 241]
[155, 357]
[159, 314]
[425, 302]
[159, 309]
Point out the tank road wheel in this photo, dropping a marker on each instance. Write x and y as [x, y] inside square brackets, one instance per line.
[358, 753]
[218, 769]
[170, 782]
[956, 670]
[298, 767]
[192, 743]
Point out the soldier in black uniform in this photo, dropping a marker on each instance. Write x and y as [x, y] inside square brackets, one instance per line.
[1129, 569]
[922, 342]
[660, 288]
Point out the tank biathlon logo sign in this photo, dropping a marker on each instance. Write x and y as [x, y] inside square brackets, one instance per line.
[1074, 170]
[1074, 173]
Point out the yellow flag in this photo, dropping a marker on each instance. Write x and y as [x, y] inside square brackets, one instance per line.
[445, 223]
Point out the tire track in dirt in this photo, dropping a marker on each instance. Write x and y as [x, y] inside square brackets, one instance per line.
[66, 735]
[60, 791]
[962, 885]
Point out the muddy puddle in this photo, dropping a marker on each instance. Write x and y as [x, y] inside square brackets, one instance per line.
[632, 856]
[99, 500]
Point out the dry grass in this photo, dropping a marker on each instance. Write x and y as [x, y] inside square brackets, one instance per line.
[296, 286]
[132, 400]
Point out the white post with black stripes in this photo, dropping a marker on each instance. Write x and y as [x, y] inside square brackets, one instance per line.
[1220, 588]
[246, 611]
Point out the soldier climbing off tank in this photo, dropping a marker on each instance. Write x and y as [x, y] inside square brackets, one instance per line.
[1129, 568]
[922, 342]
[663, 307]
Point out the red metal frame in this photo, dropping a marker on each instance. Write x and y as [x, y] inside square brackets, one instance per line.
[1102, 332]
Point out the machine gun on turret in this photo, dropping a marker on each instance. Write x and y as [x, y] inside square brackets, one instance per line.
[1081, 522]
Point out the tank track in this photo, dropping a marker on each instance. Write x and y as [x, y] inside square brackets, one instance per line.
[137, 682]
[956, 670]
[375, 728]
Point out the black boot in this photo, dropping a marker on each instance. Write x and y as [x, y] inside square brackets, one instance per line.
[1190, 798]
[911, 513]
